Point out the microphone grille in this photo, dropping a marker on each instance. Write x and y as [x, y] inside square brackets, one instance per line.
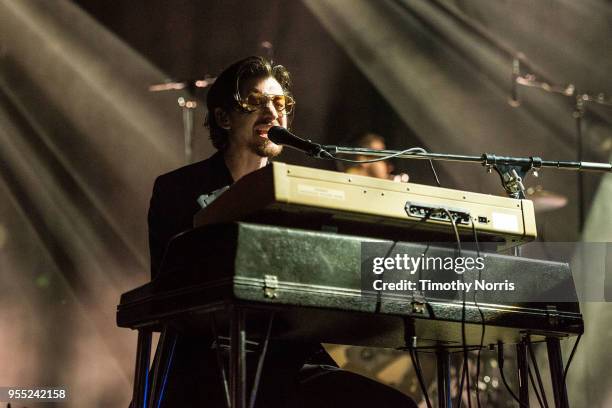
[277, 134]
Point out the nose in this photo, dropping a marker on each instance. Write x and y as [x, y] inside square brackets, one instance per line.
[270, 111]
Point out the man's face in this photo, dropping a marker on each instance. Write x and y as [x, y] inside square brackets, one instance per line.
[249, 130]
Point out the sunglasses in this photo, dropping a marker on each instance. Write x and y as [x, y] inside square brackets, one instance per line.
[256, 100]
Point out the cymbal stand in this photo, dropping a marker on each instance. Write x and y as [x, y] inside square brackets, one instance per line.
[580, 101]
[188, 104]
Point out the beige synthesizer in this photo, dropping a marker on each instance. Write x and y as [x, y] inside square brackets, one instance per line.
[301, 190]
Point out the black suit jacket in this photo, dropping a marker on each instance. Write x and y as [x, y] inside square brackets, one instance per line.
[172, 207]
[174, 201]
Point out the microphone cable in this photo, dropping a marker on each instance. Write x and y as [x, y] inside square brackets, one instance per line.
[414, 356]
[537, 372]
[571, 357]
[465, 374]
[482, 318]
[500, 362]
[328, 155]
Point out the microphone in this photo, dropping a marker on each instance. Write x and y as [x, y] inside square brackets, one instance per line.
[516, 71]
[282, 136]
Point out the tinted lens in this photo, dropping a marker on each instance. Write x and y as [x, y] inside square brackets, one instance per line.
[279, 102]
[288, 103]
[257, 100]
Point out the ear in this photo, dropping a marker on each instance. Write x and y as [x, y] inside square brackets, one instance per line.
[222, 118]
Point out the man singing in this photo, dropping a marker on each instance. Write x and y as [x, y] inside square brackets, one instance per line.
[246, 100]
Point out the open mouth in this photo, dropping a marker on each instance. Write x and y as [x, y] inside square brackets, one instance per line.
[262, 130]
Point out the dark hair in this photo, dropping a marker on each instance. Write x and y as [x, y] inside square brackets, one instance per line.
[225, 91]
[358, 140]
[365, 139]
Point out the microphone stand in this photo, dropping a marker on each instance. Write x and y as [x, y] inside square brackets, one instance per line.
[511, 170]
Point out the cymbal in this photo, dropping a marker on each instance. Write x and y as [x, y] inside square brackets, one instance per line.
[172, 85]
[544, 200]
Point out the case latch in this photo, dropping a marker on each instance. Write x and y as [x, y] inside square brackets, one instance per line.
[418, 302]
[270, 286]
[553, 315]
